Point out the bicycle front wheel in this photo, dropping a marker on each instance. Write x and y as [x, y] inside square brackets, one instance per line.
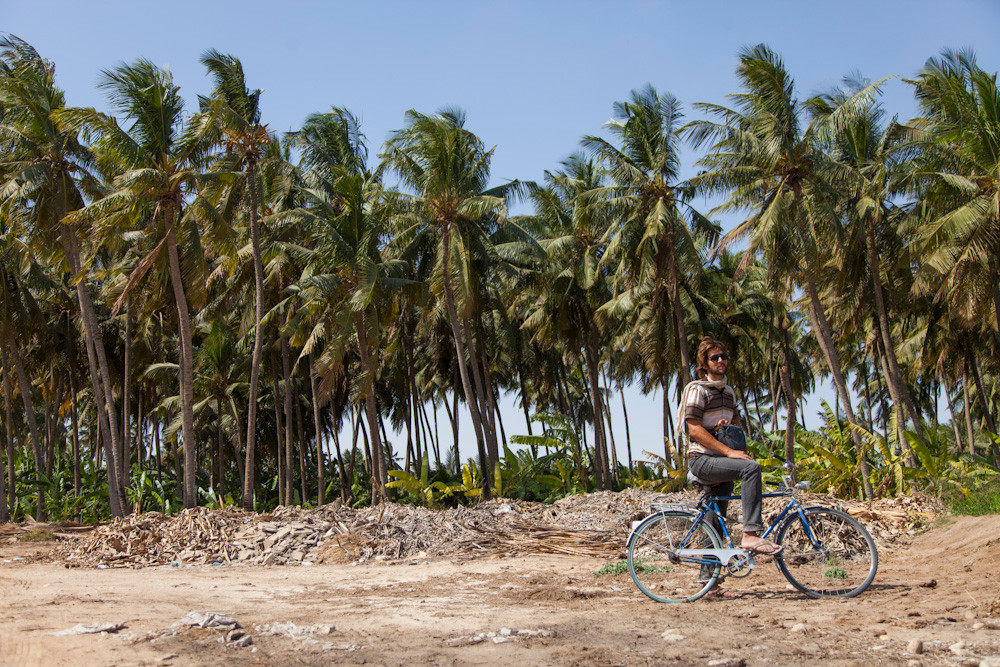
[826, 553]
[659, 568]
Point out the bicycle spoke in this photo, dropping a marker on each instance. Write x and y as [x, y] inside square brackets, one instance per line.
[657, 569]
[831, 555]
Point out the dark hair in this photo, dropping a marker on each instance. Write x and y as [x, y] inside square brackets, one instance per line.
[708, 343]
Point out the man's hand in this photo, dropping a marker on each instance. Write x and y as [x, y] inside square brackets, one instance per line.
[701, 435]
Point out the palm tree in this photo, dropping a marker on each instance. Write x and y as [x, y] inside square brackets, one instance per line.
[157, 164]
[959, 181]
[651, 238]
[763, 160]
[571, 285]
[650, 233]
[870, 162]
[43, 168]
[447, 167]
[234, 110]
[958, 185]
[347, 277]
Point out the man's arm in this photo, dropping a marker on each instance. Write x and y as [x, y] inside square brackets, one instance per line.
[700, 434]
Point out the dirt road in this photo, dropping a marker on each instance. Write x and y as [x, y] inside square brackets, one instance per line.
[943, 590]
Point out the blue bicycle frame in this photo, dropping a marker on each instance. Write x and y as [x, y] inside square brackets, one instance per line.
[711, 514]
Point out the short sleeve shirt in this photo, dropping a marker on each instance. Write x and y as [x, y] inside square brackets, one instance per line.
[709, 405]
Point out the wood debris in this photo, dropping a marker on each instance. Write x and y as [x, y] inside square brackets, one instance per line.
[595, 524]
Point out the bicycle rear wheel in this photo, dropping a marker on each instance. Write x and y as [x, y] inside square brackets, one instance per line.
[826, 554]
[657, 568]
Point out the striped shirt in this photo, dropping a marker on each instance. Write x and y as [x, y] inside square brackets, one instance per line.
[709, 405]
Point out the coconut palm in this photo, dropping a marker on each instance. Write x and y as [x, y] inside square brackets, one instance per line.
[158, 165]
[763, 159]
[233, 110]
[572, 285]
[871, 158]
[650, 238]
[959, 183]
[43, 168]
[347, 277]
[447, 168]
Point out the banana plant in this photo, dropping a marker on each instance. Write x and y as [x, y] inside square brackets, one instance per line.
[833, 464]
[472, 485]
[428, 492]
[942, 470]
[525, 475]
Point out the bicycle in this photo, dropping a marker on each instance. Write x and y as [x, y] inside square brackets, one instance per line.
[677, 555]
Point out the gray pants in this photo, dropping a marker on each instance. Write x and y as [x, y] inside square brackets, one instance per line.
[721, 472]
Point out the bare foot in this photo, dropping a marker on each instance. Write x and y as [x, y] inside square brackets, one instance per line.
[722, 593]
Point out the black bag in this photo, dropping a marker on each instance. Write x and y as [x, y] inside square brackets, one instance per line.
[731, 436]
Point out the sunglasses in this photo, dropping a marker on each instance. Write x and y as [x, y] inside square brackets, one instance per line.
[716, 357]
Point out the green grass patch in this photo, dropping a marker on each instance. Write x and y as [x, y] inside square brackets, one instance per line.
[618, 567]
[621, 567]
[836, 573]
[36, 535]
[984, 500]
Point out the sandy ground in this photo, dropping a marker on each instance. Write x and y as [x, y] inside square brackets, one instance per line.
[943, 590]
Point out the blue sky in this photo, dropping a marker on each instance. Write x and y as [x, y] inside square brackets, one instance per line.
[533, 77]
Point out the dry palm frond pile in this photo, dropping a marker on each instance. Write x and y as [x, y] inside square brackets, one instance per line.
[587, 525]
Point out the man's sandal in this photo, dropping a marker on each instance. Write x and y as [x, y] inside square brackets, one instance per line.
[765, 548]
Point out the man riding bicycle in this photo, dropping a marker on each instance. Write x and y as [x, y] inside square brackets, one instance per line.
[717, 455]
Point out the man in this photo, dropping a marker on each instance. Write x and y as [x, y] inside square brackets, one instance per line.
[709, 413]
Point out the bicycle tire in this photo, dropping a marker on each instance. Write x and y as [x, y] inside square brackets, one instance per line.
[656, 568]
[843, 565]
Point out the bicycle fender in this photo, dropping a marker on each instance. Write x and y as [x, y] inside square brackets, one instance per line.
[658, 510]
[672, 507]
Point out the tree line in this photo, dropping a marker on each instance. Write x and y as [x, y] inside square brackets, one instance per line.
[195, 308]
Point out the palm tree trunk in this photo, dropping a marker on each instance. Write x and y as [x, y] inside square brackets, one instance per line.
[897, 402]
[286, 374]
[378, 468]
[453, 418]
[470, 396]
[601, 463]
[673, 287]
[99, 371]
[220, 491]
[612, 447]
[279, 432]
[951, 411]
[486, 415]
[302, 450]
[895, 375]
[628, 435]
[491, 401]
[981, 392]
[29, 418]
[786, 387]
[258, 344]
[967, 409]
[320, 469]
[356, 428]
[7, 497]
[75, 420]
[520, 381]
[341, 471]
[821, 327]
[186, 359]
[238, 446]
[125, 459]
